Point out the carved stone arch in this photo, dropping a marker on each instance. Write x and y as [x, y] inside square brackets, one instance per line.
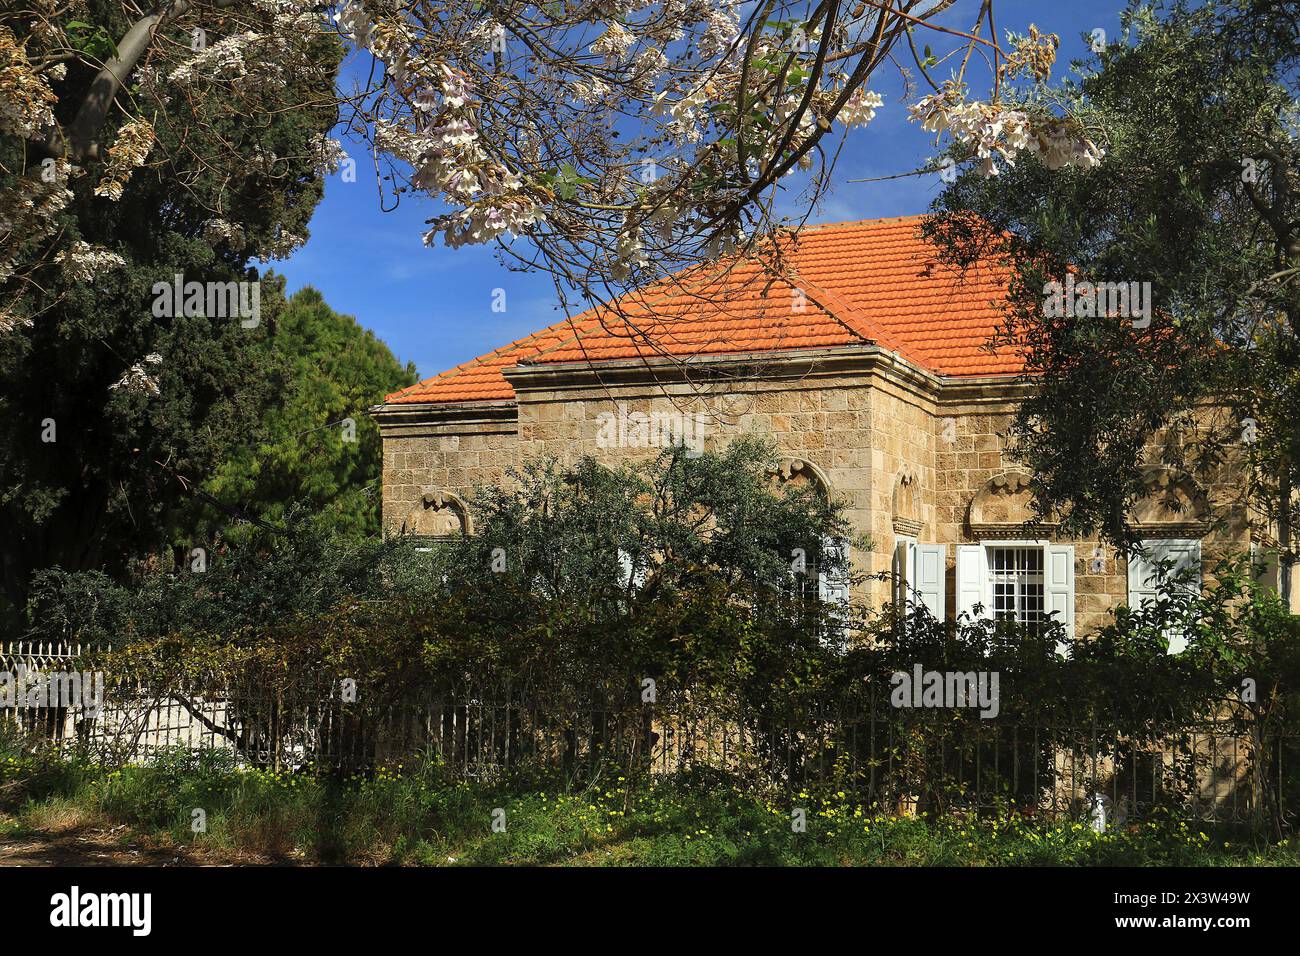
[907, 502]
[439, 514]
[800, 472]
[1004, 504]
[1174, 506]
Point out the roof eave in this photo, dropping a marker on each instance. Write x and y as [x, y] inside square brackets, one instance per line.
[411, 419]
[765, 365]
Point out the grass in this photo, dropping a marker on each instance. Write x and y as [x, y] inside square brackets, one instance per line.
[413, 815]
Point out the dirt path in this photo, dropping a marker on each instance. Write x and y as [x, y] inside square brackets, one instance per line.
[108, 847]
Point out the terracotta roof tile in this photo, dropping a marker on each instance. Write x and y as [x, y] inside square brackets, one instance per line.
[874, 281]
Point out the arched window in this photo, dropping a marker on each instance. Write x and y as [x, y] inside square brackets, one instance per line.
[439, 514]
[918, 568]
[832, 557]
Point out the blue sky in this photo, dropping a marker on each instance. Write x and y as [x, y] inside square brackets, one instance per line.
[433, 305]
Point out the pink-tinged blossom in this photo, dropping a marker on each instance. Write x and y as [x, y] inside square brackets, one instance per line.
[860, 108]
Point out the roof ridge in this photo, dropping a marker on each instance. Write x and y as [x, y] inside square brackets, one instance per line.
[860, 325]
[816, 226]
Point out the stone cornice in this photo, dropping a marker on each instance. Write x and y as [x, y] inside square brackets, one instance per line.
[1171, 529]
[908, 526]
[415, 420]
[706, 370]
[1011, 531]
[993, 390]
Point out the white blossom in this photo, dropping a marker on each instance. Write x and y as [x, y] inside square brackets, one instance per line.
[281, 246]
[28, 208]
[719, 33]
[9, 321]
[82, 262]
[614, 43]
[223, 60]
[629, 252]
[456, 88]
[591, 92]
[327, 154]
[860, 108]
[134, 141]
[649, 64]
[996, 132]
[26, 99]
[217, 231]
[137, 378]
[354, 23]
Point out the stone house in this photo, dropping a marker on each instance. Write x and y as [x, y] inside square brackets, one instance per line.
[866, 363]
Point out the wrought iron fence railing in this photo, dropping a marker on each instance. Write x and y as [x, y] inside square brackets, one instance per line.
[919, 761]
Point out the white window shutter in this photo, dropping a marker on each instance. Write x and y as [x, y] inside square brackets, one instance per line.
[832, 586]
[1267, 568]
[629, 576]
[902, 573]
[1058, 584]
[930, 568]
[1264, 566]
[1187, 554]
[1141, 577]
[1182, 552]
[970, 580]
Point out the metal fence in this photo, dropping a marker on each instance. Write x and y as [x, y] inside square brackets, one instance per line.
[906, 762]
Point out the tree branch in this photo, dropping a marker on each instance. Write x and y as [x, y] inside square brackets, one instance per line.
[81, 141]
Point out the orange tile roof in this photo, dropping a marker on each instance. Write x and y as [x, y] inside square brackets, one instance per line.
[870, 282]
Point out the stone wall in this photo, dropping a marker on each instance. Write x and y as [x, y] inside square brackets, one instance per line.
[907, 453]
[971, 452]
[826, 422]
[444, 455]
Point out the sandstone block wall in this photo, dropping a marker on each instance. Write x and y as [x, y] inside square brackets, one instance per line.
[904, 455]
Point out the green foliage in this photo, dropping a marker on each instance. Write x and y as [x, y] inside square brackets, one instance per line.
[117, 481]
[678, 569]
[1118, 688]
[250, 586]
[315, 446]
[1199, 195]
[575, 579]
[415, 815]
[580, 583]
[707, 599]
[93, 40]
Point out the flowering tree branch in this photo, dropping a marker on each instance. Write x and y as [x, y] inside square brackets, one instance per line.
[609, 142]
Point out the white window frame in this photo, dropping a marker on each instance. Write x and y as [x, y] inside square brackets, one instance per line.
[630, 578]
[975, 579]
[903, 567]
[833, 589]
[1267, 571]
[1017, 577]
[1142, 584]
